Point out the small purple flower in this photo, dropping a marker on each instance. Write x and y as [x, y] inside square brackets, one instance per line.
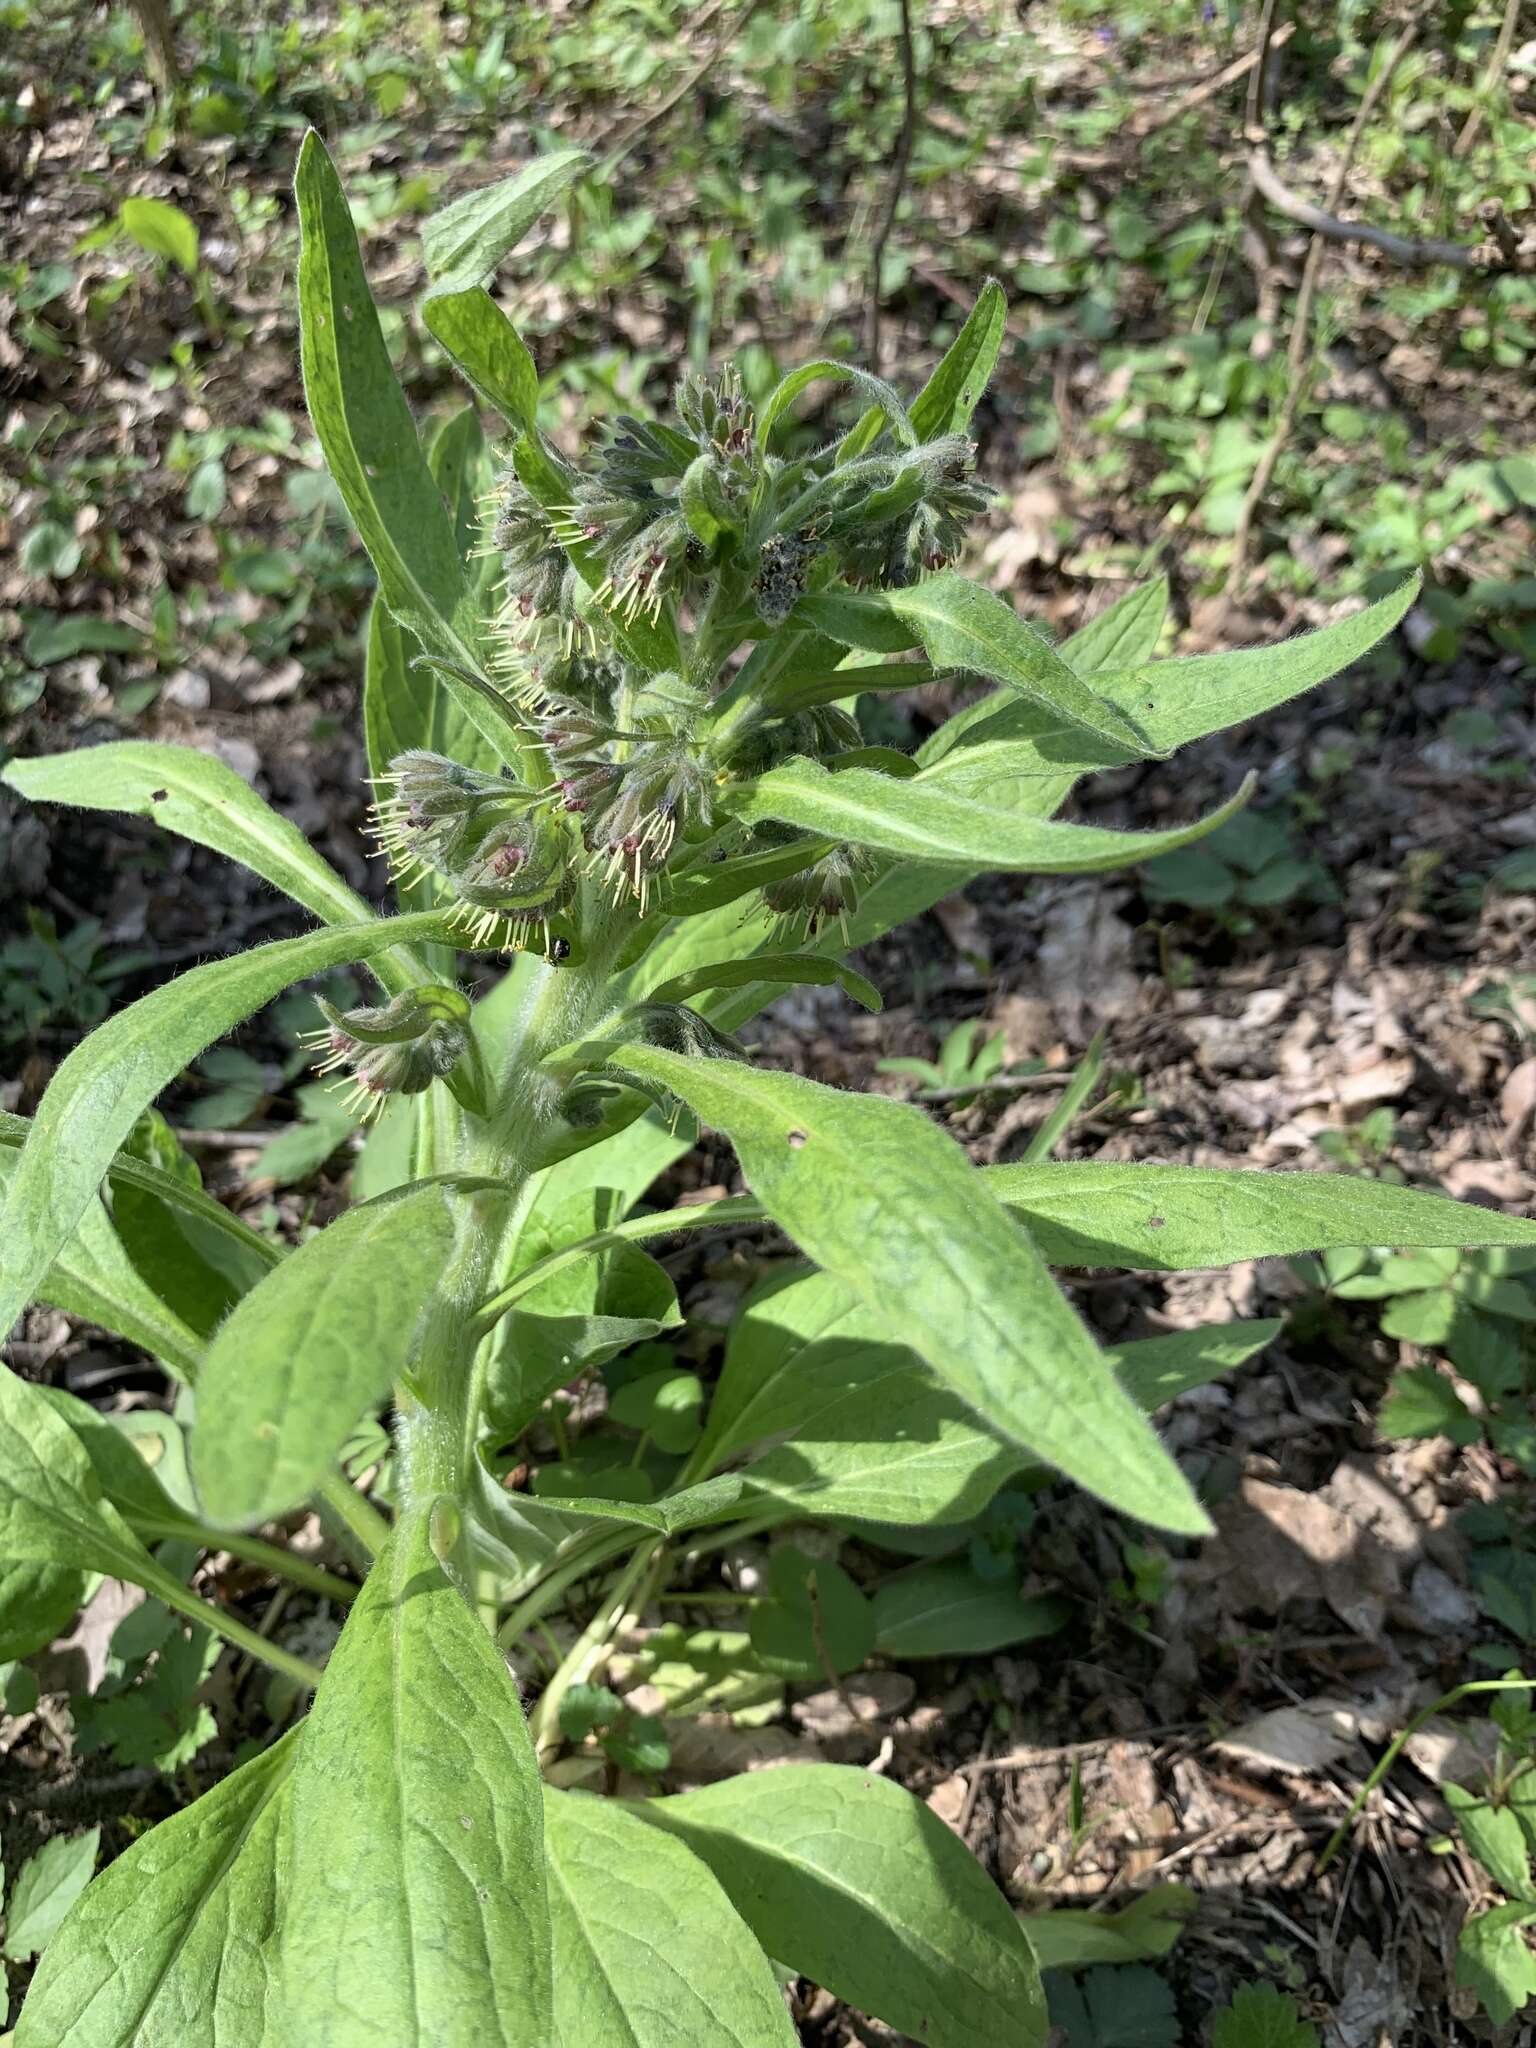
[1106, 34]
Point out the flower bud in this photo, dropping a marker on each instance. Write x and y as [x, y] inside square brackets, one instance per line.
[396, 1048]
[821, 894]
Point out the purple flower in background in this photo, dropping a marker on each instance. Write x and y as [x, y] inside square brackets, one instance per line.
[1105, 34]
[1208, 11]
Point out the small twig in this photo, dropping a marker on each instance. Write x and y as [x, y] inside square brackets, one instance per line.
[625, 141]
[1497, 59]
[1413, 254]
[1037, 1759]
[1300, 354]
[898, 180]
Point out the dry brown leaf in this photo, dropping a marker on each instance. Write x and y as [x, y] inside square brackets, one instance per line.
[1298, 1740]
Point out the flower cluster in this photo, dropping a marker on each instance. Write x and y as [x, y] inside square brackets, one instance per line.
[502, 855]
[693, 531]
[396, 1048]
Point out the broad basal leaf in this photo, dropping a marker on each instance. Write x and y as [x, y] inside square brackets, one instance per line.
[1149, 1926]
[37, 1603]
[944, 1610]
[852, 1881]
[95, 1098]
[1495, 1959]
[44, 1889]
[876, 1194]
[1168, 1218]
[416, 1913]
[649, 1952]
[920, 821]
[311, 1349]
[171, 1947]
[200, 797]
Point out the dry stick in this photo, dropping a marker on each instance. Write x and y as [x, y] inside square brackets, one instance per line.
[1299, 355]
[626, 141]
[893, 195]
[1498, 57]
[1412, 252]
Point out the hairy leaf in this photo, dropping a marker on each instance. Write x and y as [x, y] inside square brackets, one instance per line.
[311, 1349]
[1124, 635]
[93, 1277]
[465, 242]
[172, 1944]
[876, 1194]
[960, 625]
[94, 1099]
[649, 1952]
[369, 439]
[200, 797]
[416, 1908]
[852, 1881]
[1170, 1218]
[927, 822]
[487, 349]
[1176, 701]
[946, 402]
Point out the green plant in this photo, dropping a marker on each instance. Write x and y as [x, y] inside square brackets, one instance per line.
[630, 765]
[963, 1067]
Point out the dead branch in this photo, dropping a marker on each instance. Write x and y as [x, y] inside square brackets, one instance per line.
[1415, 255]
[1300, 354]
[898, 181]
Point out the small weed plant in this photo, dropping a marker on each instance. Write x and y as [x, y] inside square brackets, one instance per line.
[609, 710]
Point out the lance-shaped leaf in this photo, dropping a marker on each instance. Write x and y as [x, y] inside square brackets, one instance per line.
[311, 1349]
[876, 1194]
[1176, 701]
[95, 1098]
[201, 798]
[365, 429]
[791, 967]
[649, 1952]
[1124, 635]
[960, 625]
[853, 1882]
[885, 400]
[94, 1277]
[173, 1942]
[487, 349]
[416, 1908]
[944, 1610]
[464, 243]
[949, 398]
[52, 1510]
[37, 1602]
[244, 1245]
[916, 820]
[857, 1425]
[1171, 1218]
[712, 1500]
